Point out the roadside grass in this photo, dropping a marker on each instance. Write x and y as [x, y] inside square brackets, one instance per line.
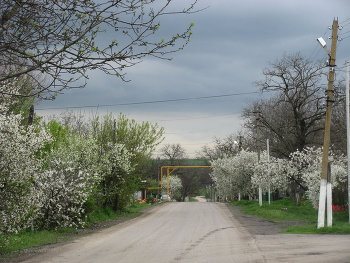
[26, 238]
[192, 199]
[304, 216]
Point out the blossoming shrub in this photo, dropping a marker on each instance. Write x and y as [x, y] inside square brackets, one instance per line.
[69, 178]
[232, 175]
[305, 166]
[117, 184]
[20, 169]
[270, 174]
[243, 174]
[175, 185]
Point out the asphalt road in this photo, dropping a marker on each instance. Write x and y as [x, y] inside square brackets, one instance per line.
[195, 232]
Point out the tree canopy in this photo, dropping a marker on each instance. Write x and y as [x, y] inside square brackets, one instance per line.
[292, 118]
[64, 39]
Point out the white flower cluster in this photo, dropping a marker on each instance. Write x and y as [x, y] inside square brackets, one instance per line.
[232, 175]
[243, 174]
[20, 169]
[48, 187]
[175, 185]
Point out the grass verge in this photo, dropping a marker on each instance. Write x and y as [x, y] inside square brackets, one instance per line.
[303, 216]
[27, 239]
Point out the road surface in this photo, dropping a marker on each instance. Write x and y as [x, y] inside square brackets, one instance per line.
[195, 232]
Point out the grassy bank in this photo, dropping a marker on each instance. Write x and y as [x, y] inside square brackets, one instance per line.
[98, 219]
[304, 216]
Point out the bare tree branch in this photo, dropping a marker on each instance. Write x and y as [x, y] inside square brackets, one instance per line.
[64, 39]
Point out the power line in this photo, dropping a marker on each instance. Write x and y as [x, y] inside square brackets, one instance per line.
[344, 33]
[148, 102]
[317, 47]
[345, 21]
[195, 118]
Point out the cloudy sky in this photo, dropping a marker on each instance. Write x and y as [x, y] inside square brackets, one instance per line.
[200, 93]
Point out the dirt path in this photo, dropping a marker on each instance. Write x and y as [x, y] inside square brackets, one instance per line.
[197, 232]
[200, 199]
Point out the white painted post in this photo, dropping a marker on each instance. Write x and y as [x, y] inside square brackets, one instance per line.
[268, 160]
[322, 203]
[329, 204]
[260, 196]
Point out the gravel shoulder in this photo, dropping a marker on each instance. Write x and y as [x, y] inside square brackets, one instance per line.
[259, 226]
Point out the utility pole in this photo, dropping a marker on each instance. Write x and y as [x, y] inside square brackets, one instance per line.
[268, 160]
[348, 126]
[31, 115]
[257, 119]
[327, 128]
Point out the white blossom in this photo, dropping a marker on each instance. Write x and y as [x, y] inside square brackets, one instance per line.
[19, 171]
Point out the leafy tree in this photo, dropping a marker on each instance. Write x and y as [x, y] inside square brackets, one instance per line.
[65, 39]
[292, 118]
[190, 180]
[58, 133]
[139, 142]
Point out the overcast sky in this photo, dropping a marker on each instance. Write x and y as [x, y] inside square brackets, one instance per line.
[232, 42]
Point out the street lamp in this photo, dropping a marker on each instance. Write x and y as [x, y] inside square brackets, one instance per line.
[324, 45]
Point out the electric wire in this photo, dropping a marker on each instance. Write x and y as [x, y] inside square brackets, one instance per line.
[344, 33]
[196, 118]
[149, 102]
[345, 21]
[317, 47]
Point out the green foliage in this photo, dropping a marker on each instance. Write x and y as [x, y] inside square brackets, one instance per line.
[137, 207]
[58, 133]
[138, 141]
[285, 210]
[27, 238]
[339, 227]
[102, 214]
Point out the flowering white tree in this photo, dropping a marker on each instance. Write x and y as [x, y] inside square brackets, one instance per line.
[303, 167]
[175, 185]
[270, 174]
[19, 171]
[73, 171]
[232, 175]
[66, 183]
[115, 168]
[308, 163]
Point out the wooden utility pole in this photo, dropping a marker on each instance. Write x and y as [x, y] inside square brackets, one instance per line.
[348, 126]
[31, 115]
[257, 119]
[327, 128]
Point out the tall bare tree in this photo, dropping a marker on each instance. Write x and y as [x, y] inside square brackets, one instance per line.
[64, 39]
[175, 153]
[228, 146]
[293, 116]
